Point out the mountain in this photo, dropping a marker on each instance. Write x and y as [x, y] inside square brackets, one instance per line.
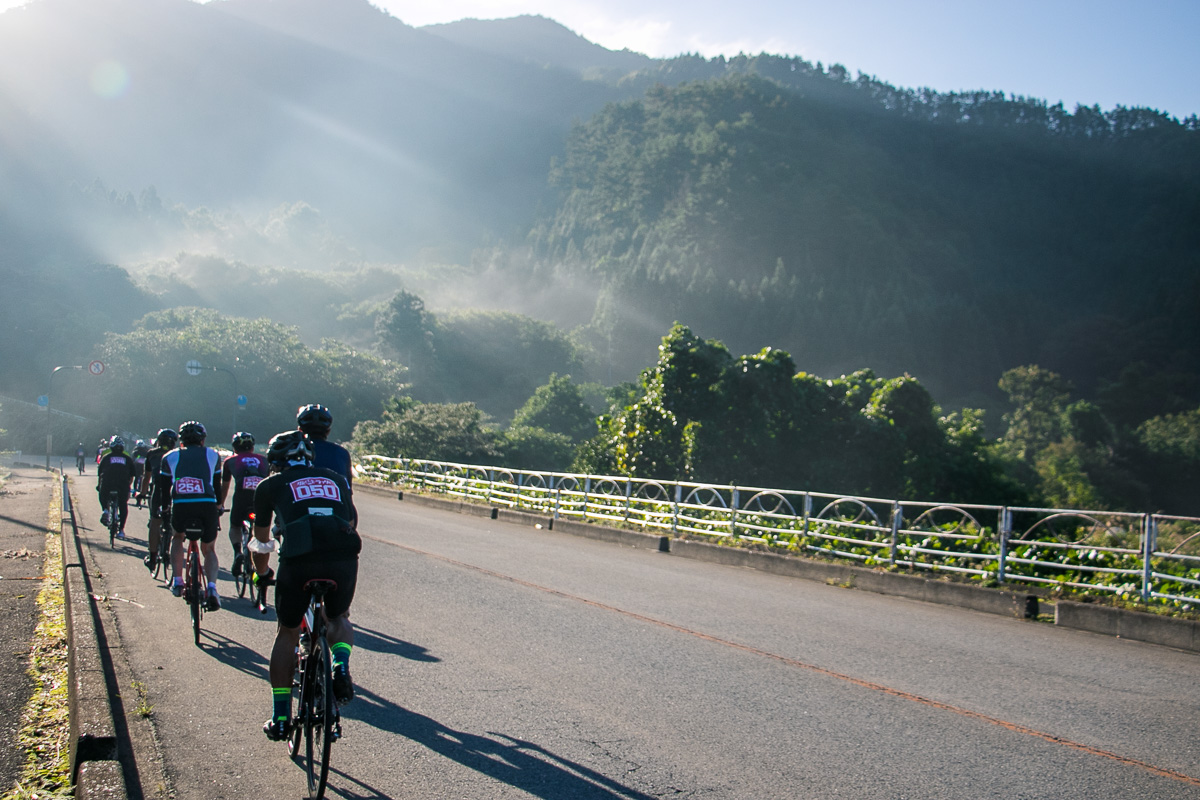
[401, 139]
[541, 41]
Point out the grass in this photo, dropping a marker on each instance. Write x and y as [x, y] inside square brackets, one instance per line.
[45, 725]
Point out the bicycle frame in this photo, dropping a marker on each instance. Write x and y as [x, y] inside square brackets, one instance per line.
[193, 581]
[114, 518]
[318, 720]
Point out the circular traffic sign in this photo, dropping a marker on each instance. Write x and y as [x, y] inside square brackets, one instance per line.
[193, 367]
[96, 367]
[241, 399]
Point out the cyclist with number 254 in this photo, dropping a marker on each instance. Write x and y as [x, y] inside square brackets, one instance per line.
[190, 475]
[317, 515]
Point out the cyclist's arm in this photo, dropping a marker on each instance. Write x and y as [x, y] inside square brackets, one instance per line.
[223, 489]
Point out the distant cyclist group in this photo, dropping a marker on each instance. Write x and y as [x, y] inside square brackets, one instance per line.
[298, 495]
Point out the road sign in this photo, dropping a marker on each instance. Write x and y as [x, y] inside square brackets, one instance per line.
[96, 367]
[43, 400]
[193, 367]
[241, 399]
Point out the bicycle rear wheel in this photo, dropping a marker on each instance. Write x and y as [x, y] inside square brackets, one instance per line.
[243, 580]
[319, 730]
[195, 594]
[114, 523]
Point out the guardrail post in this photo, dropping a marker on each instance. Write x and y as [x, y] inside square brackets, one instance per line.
[1005, 531]
[587, 490]
[628, 492]
[735, 503]
[675, 508]
[807, 514]
[897, 519]
[520, 494]
[491, 478]
[556, 487]
[1149, 545]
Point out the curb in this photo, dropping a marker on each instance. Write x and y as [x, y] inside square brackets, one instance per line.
[95, 769]
[1181, 634]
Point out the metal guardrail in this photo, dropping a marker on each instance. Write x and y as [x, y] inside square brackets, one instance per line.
[1153, 557]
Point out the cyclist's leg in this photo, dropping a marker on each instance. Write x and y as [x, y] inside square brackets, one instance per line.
[290, 605]
[208, 545]
[123, 508]
[339, 631]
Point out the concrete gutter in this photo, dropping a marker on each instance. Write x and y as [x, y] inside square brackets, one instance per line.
[1182, 634]
[95, 767]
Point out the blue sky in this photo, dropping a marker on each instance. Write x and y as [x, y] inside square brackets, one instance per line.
[1106, 52]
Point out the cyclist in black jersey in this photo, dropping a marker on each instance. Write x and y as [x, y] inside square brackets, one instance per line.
[159, 501]
[115, 474]
[316, 512]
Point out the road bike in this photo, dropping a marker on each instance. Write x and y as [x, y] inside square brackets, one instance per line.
[193, 580]
[114, 519]
[317, 722]
[245, 578]
[166, 534]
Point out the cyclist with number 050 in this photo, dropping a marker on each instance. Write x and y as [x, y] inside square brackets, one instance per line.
[316, 513]
[190, 475]
[116, 473]
[243, 470]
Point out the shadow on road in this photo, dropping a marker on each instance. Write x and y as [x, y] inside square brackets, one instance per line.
[235, 654]
[519, 764]
[377, 642]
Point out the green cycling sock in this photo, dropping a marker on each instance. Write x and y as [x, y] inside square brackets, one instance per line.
[282, 703]
[341, 653]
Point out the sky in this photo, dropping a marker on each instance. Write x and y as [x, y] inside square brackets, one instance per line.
[1079, 52]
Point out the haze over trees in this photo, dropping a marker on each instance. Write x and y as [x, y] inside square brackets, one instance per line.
[431, 228]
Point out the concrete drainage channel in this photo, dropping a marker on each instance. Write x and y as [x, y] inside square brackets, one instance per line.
[1176, 632]
[96, 767]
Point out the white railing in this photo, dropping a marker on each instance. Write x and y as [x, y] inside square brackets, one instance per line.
[1153, 557]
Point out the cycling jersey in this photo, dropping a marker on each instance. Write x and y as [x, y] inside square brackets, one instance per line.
[315, 510]
[244, 471]
[115, 473]
[333, 456]
[190, 475]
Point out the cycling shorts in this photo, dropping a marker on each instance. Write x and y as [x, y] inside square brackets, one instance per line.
[240, 511]
[291, 601]
[200, 515]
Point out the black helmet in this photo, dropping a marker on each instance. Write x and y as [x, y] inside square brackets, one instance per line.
[167, 438]
[191, 433]
[314, 419]
[289, 448]
[117, 444]
[242, 442]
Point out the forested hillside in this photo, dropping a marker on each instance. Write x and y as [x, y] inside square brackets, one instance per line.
[435, 227]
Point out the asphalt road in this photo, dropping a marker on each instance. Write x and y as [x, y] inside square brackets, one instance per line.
[500, 661]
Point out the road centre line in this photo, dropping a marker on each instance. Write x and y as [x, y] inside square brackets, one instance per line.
[864, 684]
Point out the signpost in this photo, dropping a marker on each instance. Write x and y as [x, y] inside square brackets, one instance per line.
[93, 368]
[194, 367]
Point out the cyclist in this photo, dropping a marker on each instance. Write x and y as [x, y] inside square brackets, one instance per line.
[140, 449]
[315, 420]
[190, 476]
[80, 453]
[115, 474]
[316, 512]
[160, 502]
[244, 469]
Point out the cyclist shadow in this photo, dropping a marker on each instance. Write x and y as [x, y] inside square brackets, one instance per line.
[520, 764]
[235, 654]
[376, 642]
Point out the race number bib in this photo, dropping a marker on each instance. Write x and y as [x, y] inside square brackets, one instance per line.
[116, 460]
[315, 489]
[189, 486]
[251, 482]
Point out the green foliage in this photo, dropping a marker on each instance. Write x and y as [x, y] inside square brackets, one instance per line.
[145, 387]
[455, 432]
[537, 449]
[558, 407]
[753, 420]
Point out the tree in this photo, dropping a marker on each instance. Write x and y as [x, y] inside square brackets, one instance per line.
[1038, 397]
[456, 432]
[558, 407]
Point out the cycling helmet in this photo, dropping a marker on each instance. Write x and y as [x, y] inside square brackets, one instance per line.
[117, 444]
[314, 419]
[242, 442]
[191, 433]
[289, 448]
[167, 438]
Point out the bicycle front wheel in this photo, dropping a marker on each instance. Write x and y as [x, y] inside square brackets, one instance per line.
[319, 731]
[243, 579]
